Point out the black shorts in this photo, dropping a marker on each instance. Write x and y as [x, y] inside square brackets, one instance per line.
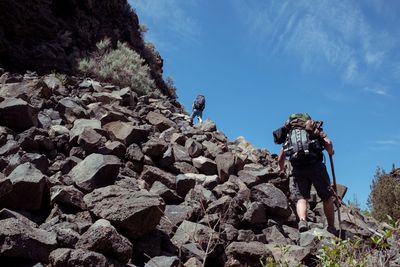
[304, 176]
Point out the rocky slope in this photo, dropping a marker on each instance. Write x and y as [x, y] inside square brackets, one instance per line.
[46, 36]
[92, 175]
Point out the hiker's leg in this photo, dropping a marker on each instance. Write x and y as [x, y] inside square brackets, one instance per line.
[200, 116]
[191, 118]
[323, 186]
[329, 211]
[301, 208]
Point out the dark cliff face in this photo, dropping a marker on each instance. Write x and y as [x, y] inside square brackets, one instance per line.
[50, 35]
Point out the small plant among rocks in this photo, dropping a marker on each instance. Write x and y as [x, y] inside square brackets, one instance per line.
[121, 66]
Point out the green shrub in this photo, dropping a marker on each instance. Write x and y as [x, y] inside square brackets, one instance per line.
[384, 198]
[121, 66]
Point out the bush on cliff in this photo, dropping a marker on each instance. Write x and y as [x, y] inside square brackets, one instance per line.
[384, 198]
[121, 66]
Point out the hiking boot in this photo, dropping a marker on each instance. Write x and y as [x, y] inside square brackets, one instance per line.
[303, 226]
[332, 230]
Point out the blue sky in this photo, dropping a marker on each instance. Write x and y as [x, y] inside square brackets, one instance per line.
[259, 61]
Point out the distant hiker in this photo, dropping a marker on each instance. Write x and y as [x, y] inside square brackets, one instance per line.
[303, 142]
[197, 108]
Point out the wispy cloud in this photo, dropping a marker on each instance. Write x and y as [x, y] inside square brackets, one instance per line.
[377, 90]
[171, 18]
[322, 33]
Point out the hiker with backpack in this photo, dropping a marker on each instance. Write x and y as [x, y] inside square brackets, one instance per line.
[197, 109]
[303, 142]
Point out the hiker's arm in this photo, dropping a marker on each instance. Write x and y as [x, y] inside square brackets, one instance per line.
[328, 146]
[281, 161]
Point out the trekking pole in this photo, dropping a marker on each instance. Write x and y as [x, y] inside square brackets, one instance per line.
[335, 191]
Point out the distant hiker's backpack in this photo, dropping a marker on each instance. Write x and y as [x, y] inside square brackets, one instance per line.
[200, 102]
[303, 139]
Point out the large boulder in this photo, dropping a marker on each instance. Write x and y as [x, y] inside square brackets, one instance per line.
[247, 253]
[205, 165]
[12, 108]
[20, 240]
[274, 200]
[160, 121]
[125, 132]
[102, 237]
[67, 195]
[127, 210]
[225, 165]
[95, 171]
[28, 185]
[151, 174]
[65, 257]
[80, 125]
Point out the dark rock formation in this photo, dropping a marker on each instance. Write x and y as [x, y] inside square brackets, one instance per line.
[47, 36]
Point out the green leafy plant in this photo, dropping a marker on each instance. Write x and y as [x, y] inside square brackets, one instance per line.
[338, 252]
[121, 66]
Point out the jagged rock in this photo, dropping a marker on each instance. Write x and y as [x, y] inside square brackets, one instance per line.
[255, 214]
[205, 165]
[89, 139]
[44, 143]
[6, 214]
[111, 116]
[189, 232]
[39, 161]
[274, 200]
[50, 84]
[11, 108]
[220, 205]
[178, 138]
[211, 149]
[227, 188]
[11, 147]
[95, 171]
[5, 186]
[76, 257]
[246, 236]
[102, 237]
[200, 194]
[56, 130]
[229, 232]
[71, 109]
[148, 246]
[208, 126]
[27, 188]
[163, 261]
[66, 237]
[181, 154]
[158, 120]
[183, 168]
[312, 237]
[193, 262]
[167, 158]
[79, 127]
[113, 148]
[126, 209]
[184, 184]
[225, 165]
[107, 98]
[292, 254]
[169, 196]
[67, 195]
[273, 235]
[176, 214]
[155, 148]
[134, 153]
[20, 240]
[193, 147]
[125, 132]
[243, 253]
[151, 174]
